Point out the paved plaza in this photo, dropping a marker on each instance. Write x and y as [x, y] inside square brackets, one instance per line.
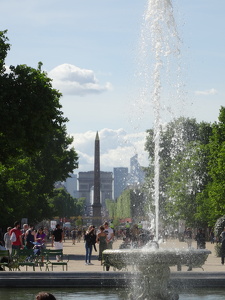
[77, 257]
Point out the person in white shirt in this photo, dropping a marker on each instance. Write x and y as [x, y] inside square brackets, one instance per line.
[110, 235]
[8, 243]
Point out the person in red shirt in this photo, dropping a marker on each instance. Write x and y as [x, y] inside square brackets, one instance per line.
[17, 242]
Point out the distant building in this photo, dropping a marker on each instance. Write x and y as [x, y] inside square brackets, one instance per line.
[86, 183]
[137, 175]
[120, 180]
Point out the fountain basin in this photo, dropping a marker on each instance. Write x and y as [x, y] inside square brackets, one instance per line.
[142, 257]
[153, 275]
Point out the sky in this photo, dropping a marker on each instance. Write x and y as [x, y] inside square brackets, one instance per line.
[91, 50]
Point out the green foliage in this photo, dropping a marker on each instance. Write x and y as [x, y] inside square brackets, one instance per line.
[111, 208]
[79, 222]
[35, 150]
[186, 182]
[216, 189]
[130, 204]
[80, 206]
[183, 168]
[20, 183]
[4, 48]
[123, 207]
[204, 216]
[29, 111]
[192, 173]
[138, 205]
[65, 206]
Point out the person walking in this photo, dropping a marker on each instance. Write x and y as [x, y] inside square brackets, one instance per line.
[222, 251]
[90, 239]
[29, 238]
[16, 237]
[188, 237]
[8, 243]
[222, 235]
[127, 226]
[57, 239]
[41, 237]
[101, 240]
[24, 230]
[109, 238]
[200, 238]
[222, 246]
[73, 235]
[110, 235]
[212, 236]
[79, 234]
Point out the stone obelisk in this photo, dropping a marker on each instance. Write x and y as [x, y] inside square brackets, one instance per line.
[97, 218]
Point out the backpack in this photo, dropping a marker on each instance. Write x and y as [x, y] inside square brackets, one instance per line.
[13, 237]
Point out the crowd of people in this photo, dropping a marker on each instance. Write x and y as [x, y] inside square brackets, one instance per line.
[27, 237]
[103, 236]
[132, 235]
[16, 238]
[200, 238]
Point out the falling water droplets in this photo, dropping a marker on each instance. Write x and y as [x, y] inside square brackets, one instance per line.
[160, 45]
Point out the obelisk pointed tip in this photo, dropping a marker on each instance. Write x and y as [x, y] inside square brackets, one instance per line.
[97, 136]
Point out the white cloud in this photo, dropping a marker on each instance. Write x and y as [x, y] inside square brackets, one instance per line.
[72, 80]
[207, 92]
[116, 149]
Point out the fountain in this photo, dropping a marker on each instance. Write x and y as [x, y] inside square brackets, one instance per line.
[153, 265]
[154, 268]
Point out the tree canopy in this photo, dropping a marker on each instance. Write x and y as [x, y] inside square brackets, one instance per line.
[65, 206]
[216, 187]
[35, 149]
[183, 168]
[130, 204]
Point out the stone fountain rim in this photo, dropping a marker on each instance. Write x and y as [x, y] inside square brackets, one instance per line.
[157, 251]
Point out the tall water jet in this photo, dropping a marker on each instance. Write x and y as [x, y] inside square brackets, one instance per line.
[160, 44]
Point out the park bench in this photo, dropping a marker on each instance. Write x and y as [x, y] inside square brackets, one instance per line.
[51, 258]
[25, 258]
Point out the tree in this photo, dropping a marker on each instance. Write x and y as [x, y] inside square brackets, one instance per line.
[130, 204]
[4, 48]
[183, 168]
[111, 208]
[64, 205]
[35, 150]
[215, 189]
[29, 111]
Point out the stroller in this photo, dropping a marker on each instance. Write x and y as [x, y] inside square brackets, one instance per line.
[37, 248]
